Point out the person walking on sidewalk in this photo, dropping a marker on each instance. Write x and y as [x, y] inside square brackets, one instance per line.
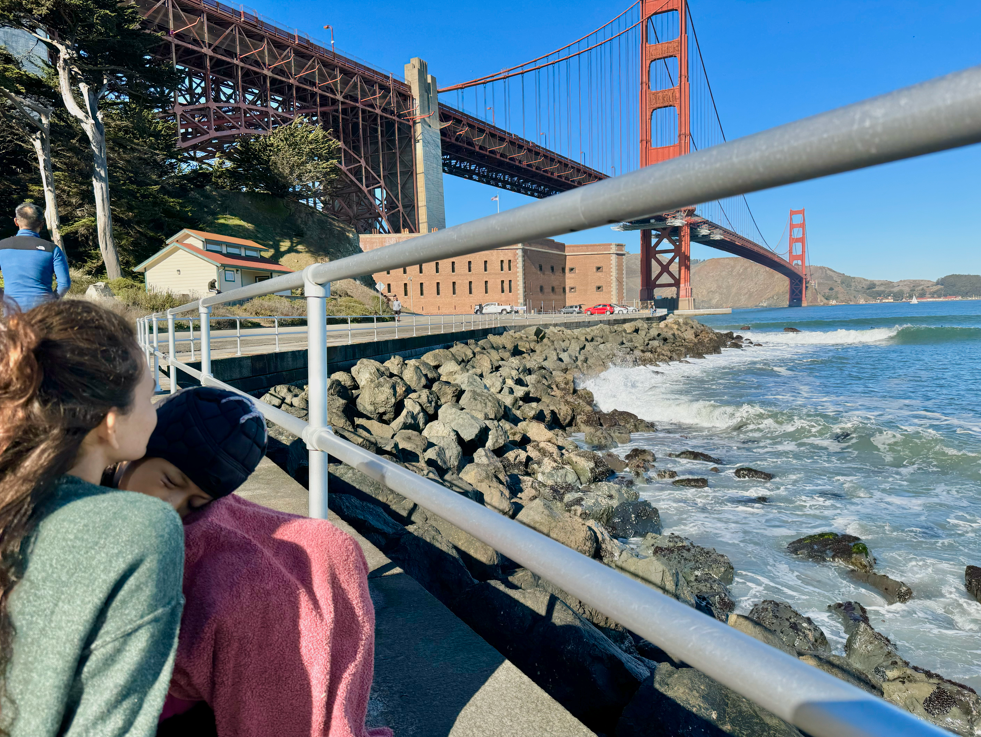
[397, 309]
[28, 262]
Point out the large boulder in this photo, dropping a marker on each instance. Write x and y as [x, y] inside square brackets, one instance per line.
[598, 500]
[446, 392]
[549, 518]
[471, 430]
[487, 480]
[972, 580]
[634, 519]
[683, 701]
[599, 439]
[378, 399]
[539, 633]
[794, 629]
[366, 371]
[694, 455]
[589, 466]
[892, 591]
[413, 417]
[482, 404]
[830, 546]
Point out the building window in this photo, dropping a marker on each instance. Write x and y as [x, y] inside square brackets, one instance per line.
[469, 266]
[251, 252]
[404, 270]
[502, 264]
[541, 289]
[509, 264]
[502, 286]
[599, 269]
[563, 290]
[553, 290]
[420, 268]
[389, 271]
[454, 288]
[437, 271]
[486, 288]
[437, 289]
[469, 287]
[539, 267]
[572, 289]
[389, 290]
[572, 269]
[599, 287]
[214, 247]
[233, 250]
[563, 269]
[230, 276]
[552, 268]
[509, 286]
[422, 292]
[452, 267]
[485, 267]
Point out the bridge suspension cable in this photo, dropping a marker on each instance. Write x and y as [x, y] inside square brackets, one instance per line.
[582, 101]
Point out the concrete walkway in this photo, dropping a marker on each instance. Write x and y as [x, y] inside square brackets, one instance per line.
[434, 676]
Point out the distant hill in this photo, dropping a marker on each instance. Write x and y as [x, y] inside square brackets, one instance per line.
[736, 282]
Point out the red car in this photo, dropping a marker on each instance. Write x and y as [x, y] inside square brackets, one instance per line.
[599, 310]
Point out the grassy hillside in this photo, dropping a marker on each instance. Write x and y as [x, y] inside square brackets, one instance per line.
[299, 235]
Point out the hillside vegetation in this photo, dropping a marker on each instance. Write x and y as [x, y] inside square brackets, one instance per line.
[736, 282]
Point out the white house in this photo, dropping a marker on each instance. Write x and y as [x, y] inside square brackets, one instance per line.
[193, 259]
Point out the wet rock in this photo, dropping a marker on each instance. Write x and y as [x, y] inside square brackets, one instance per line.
[948, 704]
[830, 546]
[794, 629]
[665, 473]
[694, 455]
[841, 437]
[761, 499]
[851, 614]
[600, 439]
[791, 330]
[597, 501]
[752, 473]
[893, 591]
[751, 627]
[634, 519]
[839, 667]
[589, 466]
[546, 639]
[550, 518]
[616, 464]
[683, 701]
[695, 483]
[872, 653]
[972, 580]
[641, 455]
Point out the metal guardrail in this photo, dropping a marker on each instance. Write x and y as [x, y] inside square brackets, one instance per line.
[933, 116]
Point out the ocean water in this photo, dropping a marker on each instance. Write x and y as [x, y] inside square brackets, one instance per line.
[870, 419]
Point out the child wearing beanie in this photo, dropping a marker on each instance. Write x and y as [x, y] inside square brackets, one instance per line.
[277, 634]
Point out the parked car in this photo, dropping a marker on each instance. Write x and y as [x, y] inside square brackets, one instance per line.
[571, 310]
[623, 309]
[604, 309]
[494, 308]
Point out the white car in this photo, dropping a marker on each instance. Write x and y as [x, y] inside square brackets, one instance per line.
[623, 309]
[495, 308]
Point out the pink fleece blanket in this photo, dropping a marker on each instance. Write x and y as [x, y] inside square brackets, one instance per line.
[278, 630]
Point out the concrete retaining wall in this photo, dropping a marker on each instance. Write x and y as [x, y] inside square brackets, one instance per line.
[263, 370]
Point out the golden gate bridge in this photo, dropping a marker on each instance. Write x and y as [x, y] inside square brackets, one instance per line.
[632, 93]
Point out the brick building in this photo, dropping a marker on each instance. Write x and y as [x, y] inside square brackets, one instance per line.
[540, 275]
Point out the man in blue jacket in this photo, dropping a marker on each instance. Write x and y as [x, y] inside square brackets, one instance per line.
[28, 262]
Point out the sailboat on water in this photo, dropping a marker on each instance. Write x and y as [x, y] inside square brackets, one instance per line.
[913, 301]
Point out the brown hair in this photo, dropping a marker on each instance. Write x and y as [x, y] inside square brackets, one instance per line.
[63, 366]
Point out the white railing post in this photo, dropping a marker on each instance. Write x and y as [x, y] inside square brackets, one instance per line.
[205, 312]
[375, 320]
[430, 324]
[238, 336]
[190, 334]
[171, 352]
[156, 353]
[350, 337]
[276, 325]
[316, 295]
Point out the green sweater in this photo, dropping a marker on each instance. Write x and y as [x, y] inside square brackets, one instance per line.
[96, 615]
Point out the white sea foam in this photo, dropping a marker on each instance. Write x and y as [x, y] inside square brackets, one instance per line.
[830, 337]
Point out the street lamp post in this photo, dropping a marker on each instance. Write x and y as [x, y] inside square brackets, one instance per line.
[412, 308]
[331, 29]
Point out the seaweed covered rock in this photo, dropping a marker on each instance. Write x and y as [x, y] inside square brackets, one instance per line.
[694, 455]
[830, 546]
[972, 580]
[751, 473]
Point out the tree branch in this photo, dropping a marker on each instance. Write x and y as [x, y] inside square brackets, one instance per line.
[22, 108]
[65, 86]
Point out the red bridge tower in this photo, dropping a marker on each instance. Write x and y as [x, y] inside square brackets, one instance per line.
[797, 255]
[673, 246]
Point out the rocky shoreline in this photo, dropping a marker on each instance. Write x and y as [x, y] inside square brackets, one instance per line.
[493, 420]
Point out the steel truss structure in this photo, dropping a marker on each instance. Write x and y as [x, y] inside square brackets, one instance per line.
[477, 150]
[243, 75]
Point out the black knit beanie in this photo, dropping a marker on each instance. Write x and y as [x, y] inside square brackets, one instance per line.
[214, 436]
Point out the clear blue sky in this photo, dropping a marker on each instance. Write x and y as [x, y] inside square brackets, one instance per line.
[770, 62]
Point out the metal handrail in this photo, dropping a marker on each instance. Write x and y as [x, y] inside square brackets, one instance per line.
[929, 117]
